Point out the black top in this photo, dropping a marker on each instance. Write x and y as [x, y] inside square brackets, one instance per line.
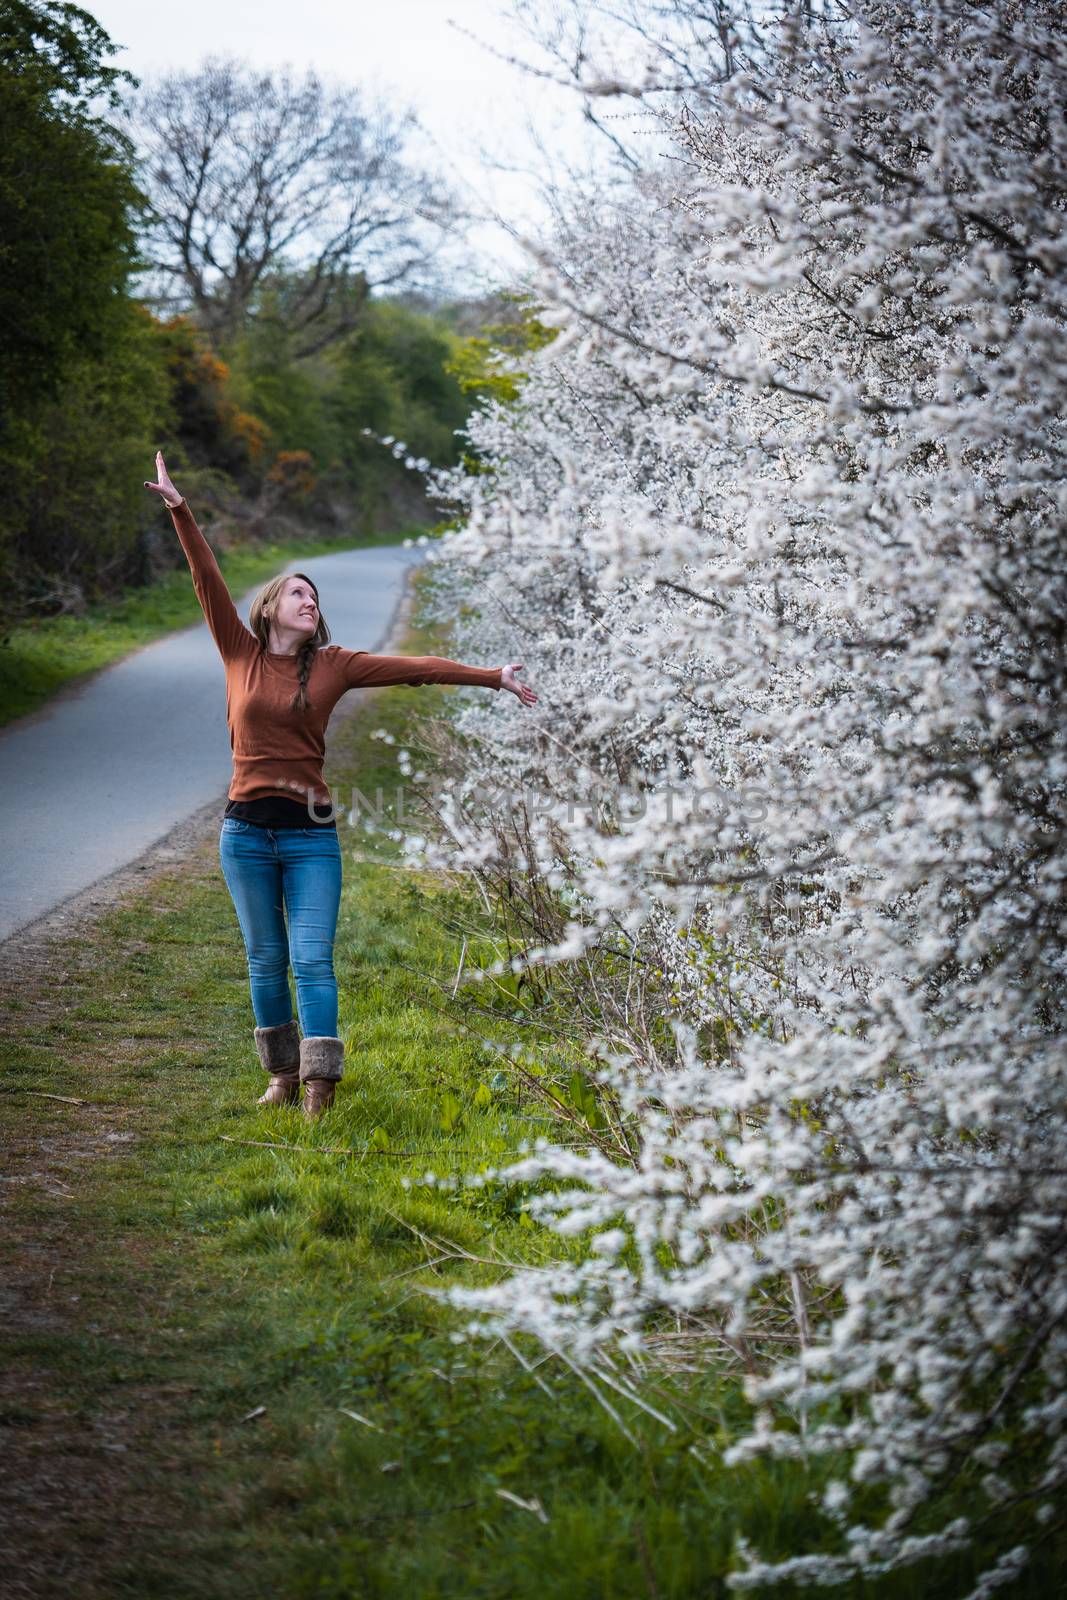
[275, 811]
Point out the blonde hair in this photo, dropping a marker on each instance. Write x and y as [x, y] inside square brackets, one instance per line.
[260, 615]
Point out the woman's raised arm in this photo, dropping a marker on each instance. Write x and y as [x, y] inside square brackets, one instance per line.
[228, 631]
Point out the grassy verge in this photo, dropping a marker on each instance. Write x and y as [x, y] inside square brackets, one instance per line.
[224, 1377]
[39, 656]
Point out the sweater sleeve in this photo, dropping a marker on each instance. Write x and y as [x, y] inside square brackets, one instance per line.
[227, 629]
[361, 670]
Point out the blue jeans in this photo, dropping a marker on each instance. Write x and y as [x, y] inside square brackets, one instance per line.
[265, 868]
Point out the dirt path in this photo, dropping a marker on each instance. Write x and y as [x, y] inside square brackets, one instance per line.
[74, 1492]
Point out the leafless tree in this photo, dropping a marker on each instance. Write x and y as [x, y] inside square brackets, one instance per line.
[252, 175]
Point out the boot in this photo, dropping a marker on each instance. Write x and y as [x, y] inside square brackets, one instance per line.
[321, 1064]
[279, 1051]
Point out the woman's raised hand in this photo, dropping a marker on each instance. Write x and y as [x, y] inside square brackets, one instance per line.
[508, 680]
[164, 485]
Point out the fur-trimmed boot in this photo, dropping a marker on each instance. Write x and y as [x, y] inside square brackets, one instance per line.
[321, 1065]
[279, 1051]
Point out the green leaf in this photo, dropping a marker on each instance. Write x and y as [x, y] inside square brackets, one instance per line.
[582, 1096]
[451, 1112]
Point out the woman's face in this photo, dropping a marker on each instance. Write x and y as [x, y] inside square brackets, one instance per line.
[297, 608]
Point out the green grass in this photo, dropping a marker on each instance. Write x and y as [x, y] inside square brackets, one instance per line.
[41, 655]
[215, 1277]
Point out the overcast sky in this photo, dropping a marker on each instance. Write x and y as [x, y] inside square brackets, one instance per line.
[478, 110]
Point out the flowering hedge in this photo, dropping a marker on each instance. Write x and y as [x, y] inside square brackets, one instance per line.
[779, 518]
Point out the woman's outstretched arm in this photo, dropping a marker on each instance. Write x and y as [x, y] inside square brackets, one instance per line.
[362, 670]
[228, 631]
[365, 671]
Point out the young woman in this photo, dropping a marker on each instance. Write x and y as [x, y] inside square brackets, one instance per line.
[283, 678]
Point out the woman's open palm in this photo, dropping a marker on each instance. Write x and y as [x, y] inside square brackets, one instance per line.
[164, 485]
[508, 680]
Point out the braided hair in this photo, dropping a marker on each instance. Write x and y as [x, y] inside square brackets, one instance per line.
[260, 614]
[305, 656]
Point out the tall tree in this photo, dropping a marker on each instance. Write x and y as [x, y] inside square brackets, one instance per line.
[251, 172]
[83, 388]
[68, 202]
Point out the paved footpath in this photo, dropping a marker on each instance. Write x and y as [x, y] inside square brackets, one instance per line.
[102, 772]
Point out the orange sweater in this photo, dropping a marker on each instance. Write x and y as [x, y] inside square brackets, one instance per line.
[277, 751]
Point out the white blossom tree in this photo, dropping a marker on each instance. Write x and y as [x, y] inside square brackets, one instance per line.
[780, 512]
